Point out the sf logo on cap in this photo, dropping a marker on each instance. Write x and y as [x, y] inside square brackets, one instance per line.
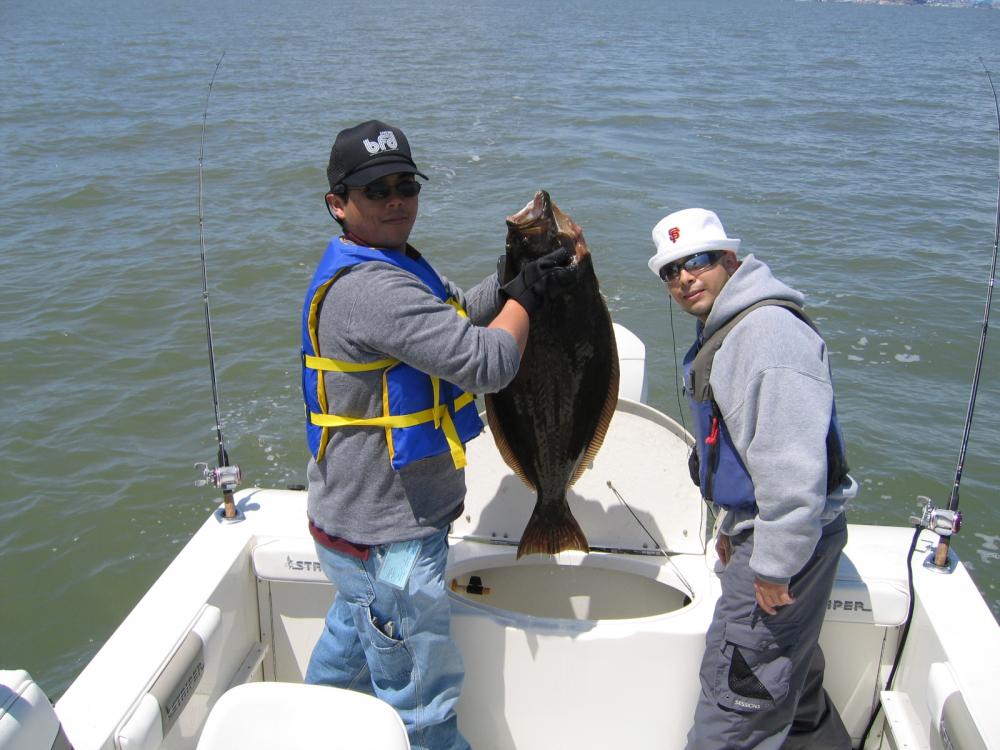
[386, 142]
[674, 233]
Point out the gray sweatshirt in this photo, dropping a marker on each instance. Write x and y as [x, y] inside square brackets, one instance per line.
[772, 382]
[372, 312]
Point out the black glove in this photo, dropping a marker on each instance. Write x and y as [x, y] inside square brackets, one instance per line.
[540, 279]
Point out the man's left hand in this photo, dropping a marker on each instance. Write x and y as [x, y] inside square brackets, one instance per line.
[723, 548]
[770, 596]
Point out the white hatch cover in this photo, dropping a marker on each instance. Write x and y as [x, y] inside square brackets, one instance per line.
[644, 457]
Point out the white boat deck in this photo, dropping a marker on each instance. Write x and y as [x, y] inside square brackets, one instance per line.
[255, 592]
[578, 650]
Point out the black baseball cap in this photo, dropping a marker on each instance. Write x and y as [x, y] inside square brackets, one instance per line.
[368, 151]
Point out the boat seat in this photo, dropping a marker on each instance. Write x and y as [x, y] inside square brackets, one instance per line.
[871, 586]
[294, 716]
[27, 719]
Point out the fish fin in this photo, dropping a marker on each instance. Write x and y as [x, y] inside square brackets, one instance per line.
[604, 421]
[503, 446]
[551, 533]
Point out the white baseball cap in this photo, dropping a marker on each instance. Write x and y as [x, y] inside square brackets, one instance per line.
[687, 232]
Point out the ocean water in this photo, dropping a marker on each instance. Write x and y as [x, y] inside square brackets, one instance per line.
[853, 147]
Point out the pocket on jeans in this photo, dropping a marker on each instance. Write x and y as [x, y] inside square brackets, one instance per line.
[393, 660]
[755, 666]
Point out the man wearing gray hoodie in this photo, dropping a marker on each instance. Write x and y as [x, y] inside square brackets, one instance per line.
[770, 458]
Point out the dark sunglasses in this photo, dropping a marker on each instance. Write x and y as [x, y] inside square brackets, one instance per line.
[694, 265]
[379, 191]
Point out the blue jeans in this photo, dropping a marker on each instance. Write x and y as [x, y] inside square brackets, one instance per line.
[394, 644]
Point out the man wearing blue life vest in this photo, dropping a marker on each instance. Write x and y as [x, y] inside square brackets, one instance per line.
[770, 458]
[392, 354]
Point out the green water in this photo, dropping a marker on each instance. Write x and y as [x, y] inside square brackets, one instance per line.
[853, 147]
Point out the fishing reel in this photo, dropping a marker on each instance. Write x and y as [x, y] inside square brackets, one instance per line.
[941, 521]
[225, 478]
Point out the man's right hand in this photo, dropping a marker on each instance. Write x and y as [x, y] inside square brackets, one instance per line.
[770, 596]
[538, 279]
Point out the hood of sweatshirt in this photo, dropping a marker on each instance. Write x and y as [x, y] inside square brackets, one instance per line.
[751, 283]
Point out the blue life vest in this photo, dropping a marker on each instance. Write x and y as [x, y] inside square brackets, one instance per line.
[715, 465]
[422, 415]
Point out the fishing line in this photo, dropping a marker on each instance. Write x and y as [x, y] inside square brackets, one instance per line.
[679, 384]
[655, 543]
[223, 456]
[225, 476]
[678, 379]
[953, 498]
[946, 522]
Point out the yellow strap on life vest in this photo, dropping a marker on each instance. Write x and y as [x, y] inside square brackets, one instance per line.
[458, 308]
[454, 443]
[313, 327]
[395, 421]
[338, 365]
[442, 419]
[436, 414]
[436, 400]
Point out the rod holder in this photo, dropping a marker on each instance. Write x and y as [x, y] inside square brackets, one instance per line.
[225, 478]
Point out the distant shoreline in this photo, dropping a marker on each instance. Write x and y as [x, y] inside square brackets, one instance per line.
[988, 4]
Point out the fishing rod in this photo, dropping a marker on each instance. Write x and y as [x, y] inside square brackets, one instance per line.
[947, 521]
[226, 476]
[656, 544]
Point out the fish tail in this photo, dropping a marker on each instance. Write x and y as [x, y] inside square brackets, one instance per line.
[552, 532]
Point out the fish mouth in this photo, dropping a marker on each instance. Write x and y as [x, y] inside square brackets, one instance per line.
[542, 216]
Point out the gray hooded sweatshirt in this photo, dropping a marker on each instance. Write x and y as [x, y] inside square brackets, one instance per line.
[771, 379]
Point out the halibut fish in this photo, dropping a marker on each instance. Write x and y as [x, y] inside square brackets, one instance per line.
[550, 421]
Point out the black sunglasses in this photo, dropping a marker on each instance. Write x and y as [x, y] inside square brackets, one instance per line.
[694, 265]
[379, 191]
